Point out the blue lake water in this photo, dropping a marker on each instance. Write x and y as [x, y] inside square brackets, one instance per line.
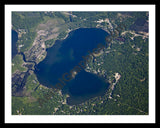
[14, 40]
[67, 54]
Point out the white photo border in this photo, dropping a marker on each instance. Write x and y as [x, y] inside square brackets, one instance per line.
[9, 118]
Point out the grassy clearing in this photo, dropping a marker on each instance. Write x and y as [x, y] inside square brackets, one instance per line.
[17, 63]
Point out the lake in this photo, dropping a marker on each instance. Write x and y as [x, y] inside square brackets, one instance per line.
[14, 41]
[66, 54]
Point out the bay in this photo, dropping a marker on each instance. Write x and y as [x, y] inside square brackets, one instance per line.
[14, 41]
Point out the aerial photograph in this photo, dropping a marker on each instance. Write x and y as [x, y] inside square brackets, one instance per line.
[80, 63]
